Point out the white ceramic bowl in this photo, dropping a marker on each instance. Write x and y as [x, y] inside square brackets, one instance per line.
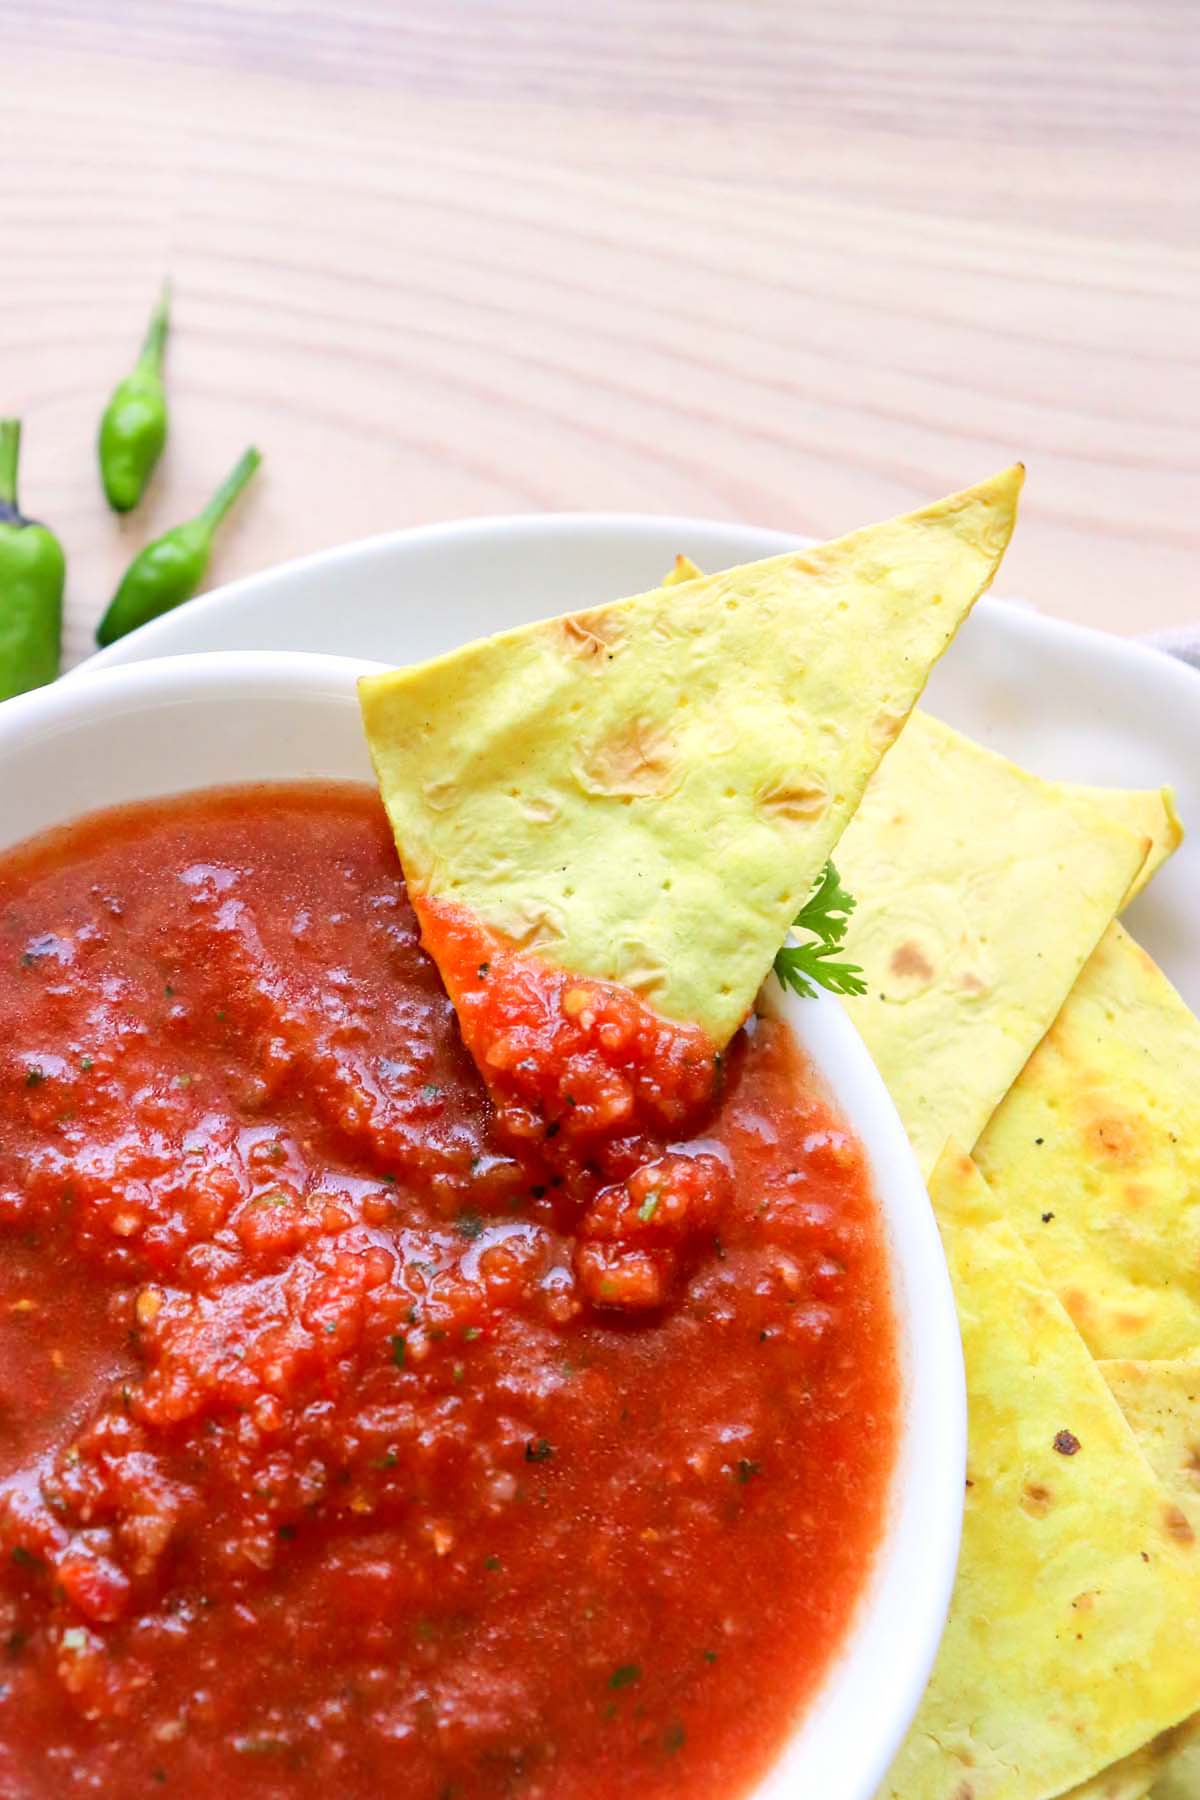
[157, 728]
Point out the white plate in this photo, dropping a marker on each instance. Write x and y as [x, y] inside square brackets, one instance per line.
[1062, 700]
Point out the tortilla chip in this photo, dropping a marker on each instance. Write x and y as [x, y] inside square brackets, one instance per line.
[1074, 1633]
[1130, 1779]
[1135, 1776]
[1095, 1157]
[682, 569]
[647, 791]
[1127, 806]
[982, 890]
[1180, 1779]
[1161, 1400]
[1124, 1781]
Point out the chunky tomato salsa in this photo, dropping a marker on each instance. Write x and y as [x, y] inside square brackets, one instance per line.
[367, 1427]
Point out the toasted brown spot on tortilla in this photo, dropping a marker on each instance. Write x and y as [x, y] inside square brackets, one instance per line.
[683, 569]
[640, 758]
[1066, 1443]
[1037, 1499]
[1077, 1304]
[1178, 1525]
[910, 959]
[964, 1791]
[540, 807]
[885, 728]
[589, 635]
[1130, 1322]
[1192, 1465]
[808, 563]
[1116, 1137]
[802, 801]
[970, 983]
[439, 794]
[1135, 1194]
[535, 924]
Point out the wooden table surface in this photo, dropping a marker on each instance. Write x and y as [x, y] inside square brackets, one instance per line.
[801, 262]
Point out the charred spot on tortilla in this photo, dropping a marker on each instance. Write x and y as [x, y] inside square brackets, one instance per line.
[910, 959]
[640, 757]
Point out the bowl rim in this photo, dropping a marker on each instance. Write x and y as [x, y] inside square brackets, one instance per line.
[1030, 624]
[869, 1694]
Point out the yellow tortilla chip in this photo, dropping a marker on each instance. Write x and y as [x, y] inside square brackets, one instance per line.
[1074, 1633]
[1128, 807]
[1180, 1779]
[682, 569]
[1161, 1400]
[646, 792]
[1094, 1156]
[1130, 1779]
[1135, 1776]
[1126, 1780]
[982, 890]
[1123, 1781]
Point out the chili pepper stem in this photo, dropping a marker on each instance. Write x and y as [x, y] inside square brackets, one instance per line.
[154, 342]
[10, 450]
[230, 488]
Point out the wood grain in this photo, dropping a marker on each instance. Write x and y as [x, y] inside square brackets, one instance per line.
[799, 263]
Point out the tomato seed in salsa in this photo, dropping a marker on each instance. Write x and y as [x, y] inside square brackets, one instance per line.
[358, 1431]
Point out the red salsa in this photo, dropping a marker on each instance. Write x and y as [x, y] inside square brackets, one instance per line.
[366, 1428]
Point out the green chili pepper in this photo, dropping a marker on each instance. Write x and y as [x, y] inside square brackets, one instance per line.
[169, 570]
[133, 429]
[32, 572]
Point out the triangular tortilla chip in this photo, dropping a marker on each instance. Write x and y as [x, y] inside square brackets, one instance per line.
[1136, 1776]
[646, 792]
[1129, 1779]
[1128, 807]
[1180, 1780]
[982, 890]
[1095, 1157]
[682, 569]
[1161, 1400]
[1181, 1773]
[1074, 1632]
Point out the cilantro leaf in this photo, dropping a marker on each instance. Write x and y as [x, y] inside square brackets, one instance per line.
[826, 912]
[806, 966]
